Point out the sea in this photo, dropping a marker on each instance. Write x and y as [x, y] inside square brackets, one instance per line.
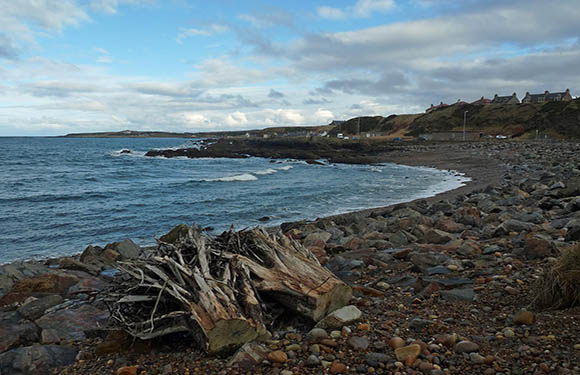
[59, 195]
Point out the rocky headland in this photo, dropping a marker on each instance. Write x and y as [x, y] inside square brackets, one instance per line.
[446, 285]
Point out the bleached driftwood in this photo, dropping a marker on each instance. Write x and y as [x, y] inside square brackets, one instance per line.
[215, 287]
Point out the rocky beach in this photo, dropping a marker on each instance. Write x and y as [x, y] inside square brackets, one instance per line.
[450, 284]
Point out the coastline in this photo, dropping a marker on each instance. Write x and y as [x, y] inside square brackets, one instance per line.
[455, 268]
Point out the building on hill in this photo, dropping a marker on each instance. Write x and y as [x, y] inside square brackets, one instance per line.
[434, 107]
[482, 101]
[547, 97]
[513, 99]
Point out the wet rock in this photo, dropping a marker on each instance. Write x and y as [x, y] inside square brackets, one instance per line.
[70, 263]
[341, 317]
[15, 331]
[248, 356]
[37, 360]
[71, 324]
[127, 249]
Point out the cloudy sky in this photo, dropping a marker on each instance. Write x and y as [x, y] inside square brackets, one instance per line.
[187, 65]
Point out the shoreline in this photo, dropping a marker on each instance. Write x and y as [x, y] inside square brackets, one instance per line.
[439, 274]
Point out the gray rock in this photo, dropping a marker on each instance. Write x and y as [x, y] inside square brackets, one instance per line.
[378, 357]
[454, 295]
[426, 260]
[341, 317]
[466, 346]
[436, 236]
[359, 342]
[71, 324]
[127, 249]
[249, 355]
[417, 324]
[316, 334]
[35, 309]
[15, 331]
[37, 360]
[312, 361]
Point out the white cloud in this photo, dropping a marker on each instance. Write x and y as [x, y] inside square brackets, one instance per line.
[236, 119]
[193, 119]
[211, 30]
[331, 13]
[361, 9]
[323, 116]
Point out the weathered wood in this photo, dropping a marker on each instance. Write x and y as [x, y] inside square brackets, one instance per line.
[214, 287]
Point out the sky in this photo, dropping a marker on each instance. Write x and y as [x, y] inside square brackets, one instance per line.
[71, 66]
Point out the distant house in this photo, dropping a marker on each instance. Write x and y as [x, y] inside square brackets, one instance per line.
[513, 99]
[434, 107]
[482, 101]
[547, 97]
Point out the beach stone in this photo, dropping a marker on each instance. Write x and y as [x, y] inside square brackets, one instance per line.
[396, 342]
[316, 334]
[466, 346]
[425, 260]
[277, 356]
[537, 248]
[248, 356]
[39, 286]
[317, 239]
[436, 236]
[524, 317]
[359, 342]
[476, 358]
[408, 353]
[463, 294]
[71, 324]
[377, 357]
[127, 249]
[35, 309]
[418, 324]
[573, 233]
[312, 361]
[70, 263]
[449, 340]
[127, 370]
[175, 234]
[341, 317]
[15, 331]
[337, 368]
[38, 359]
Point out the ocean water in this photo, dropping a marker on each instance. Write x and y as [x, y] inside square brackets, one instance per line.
[58, 195]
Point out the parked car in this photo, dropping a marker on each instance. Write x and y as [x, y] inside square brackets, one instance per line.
[500, 137]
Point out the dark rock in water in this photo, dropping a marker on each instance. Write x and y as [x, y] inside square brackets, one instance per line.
[314, 162]
[37, 360]
[264, 218]
[125, 151]
[14, 331]
[127, 249]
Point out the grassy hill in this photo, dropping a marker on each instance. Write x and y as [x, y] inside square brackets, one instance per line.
[557, 119]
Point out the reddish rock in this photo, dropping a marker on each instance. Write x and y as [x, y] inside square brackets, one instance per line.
[277, 356]
[127, 370]
[524, 317]
[39, 286]
[337, 368]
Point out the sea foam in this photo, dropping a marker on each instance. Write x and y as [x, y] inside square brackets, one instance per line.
[234, 178]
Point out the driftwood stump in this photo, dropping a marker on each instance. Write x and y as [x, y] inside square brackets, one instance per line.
[215, 287]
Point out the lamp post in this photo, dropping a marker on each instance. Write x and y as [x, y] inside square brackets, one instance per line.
[464, 120]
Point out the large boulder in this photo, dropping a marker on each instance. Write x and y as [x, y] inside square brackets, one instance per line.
[39, 286]
[16, 331]
[36, 360]
[71, 324]
[127, 249]
[436, 236]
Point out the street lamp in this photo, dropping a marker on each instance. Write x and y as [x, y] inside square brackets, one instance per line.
[464, 120]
